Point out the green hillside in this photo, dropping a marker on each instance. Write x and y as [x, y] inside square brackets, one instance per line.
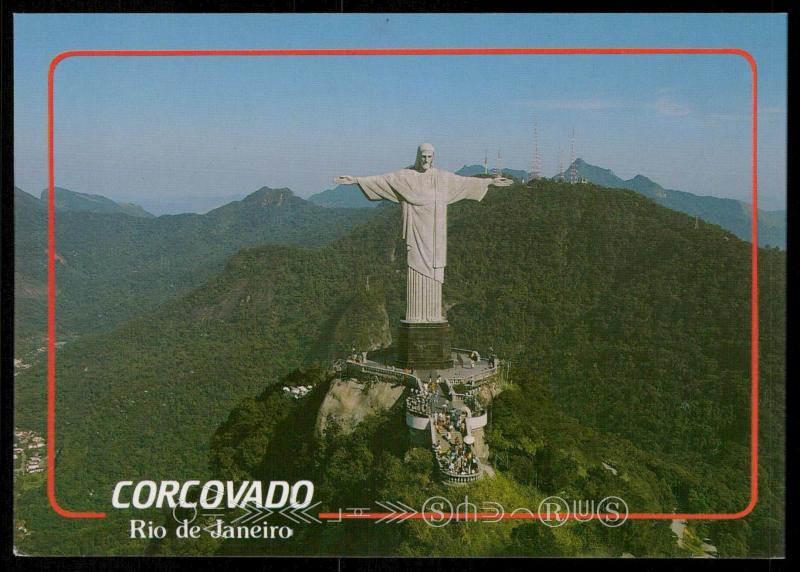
[538, 451]
[111, 266]
[735, 216]
[628, 330]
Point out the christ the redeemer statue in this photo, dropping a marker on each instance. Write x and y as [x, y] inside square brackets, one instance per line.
[424, 193]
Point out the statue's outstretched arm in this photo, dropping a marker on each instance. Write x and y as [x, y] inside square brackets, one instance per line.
[473, 188]
[375, 187]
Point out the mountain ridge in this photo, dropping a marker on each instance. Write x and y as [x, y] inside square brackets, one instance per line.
[66, 200]
[112, 266]
[731, 214]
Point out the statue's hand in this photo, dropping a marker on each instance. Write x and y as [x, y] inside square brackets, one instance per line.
[345, 180]
[502, 182]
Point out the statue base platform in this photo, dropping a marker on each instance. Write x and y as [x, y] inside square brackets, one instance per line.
[424, 345]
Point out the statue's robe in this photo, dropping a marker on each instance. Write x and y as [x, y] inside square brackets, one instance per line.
[424, 198]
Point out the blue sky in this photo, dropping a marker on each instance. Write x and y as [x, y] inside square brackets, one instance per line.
[151, 129]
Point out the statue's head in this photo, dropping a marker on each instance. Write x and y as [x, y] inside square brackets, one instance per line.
[424, 157]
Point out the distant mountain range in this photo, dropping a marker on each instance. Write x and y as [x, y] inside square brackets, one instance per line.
[343, 196]
[113, 262]
[67, 200]
[731, 214]
[179, 204]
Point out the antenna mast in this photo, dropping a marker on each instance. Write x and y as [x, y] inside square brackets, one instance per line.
[536, 165]
[573, 169]
[498, 167]
[560, 175]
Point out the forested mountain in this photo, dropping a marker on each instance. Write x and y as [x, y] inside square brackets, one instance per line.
[736, 216]
[626, 323]
[173, 203]
[111, 266]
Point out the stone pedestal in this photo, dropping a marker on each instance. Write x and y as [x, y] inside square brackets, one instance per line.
[424, 345]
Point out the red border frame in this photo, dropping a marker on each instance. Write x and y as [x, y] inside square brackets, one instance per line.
[51, 353]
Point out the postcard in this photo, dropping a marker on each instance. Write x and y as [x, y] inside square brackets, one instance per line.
[407, 285]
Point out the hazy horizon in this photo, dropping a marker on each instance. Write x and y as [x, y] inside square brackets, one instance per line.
[204, 203]
[146, 130]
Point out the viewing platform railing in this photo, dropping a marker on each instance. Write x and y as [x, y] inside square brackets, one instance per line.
[478, 379]
[418, 408]
[368, 372]
[449, 478]
[475, 377]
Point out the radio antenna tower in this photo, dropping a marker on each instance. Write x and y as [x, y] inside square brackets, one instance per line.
[573, 168]
[498, 167]
[560, 175]
[536, 165]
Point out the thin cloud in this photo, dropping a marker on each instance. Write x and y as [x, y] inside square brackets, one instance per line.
[663, 105]
[590, 104]
[670, 106]
[771, 113]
